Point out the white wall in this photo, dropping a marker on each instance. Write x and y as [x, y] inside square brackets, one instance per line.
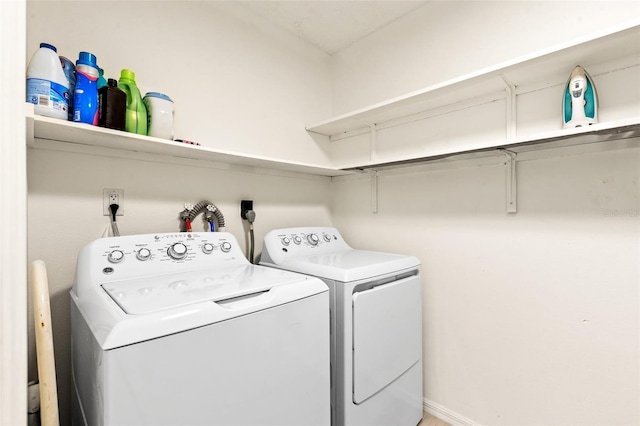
[447, 39]
[530, 318]
[13, 203]
[237, 84]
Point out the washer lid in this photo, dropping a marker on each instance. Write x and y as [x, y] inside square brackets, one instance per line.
[151, 294]
[349, 265]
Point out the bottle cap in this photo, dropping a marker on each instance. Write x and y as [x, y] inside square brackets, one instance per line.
[49, 46]
[128, 74]
[112, 82]
[158, 95]
[86, 58]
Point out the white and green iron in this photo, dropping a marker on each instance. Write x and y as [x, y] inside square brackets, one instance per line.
[580, 105]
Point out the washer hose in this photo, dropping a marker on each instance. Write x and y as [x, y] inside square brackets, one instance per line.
[210, 209]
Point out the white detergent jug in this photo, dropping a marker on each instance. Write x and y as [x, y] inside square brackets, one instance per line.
[47, 86]
[159, 114]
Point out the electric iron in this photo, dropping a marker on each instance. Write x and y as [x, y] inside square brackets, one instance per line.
[580, 106]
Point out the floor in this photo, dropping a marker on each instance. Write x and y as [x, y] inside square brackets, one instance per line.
[429, 420]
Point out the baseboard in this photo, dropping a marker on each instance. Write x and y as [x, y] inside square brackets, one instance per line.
[445, 414]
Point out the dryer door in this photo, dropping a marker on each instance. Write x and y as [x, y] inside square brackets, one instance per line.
[387, 335]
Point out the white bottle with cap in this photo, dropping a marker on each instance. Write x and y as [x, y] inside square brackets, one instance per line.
[159, 115]
[47, 86]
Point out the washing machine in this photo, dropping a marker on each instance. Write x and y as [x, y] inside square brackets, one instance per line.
[376, 323]
[180, 329]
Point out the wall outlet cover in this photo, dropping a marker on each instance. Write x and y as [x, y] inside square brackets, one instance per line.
[109, 196]
[245, 205]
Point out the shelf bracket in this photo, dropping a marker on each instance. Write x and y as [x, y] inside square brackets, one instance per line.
[374, 191]
[511, 183]
[511, 107]
[373, 136]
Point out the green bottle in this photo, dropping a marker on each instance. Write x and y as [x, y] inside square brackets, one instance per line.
[136, 120]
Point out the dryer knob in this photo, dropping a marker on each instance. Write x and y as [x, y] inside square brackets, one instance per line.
[177, 251]
[143, 254]
[326, 237]
[313, 239]
[297, 239]
[225, 247]
[116, 256]
[285, 241]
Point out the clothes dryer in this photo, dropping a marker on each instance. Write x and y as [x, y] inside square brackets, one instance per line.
[376, 323]
[179, 329]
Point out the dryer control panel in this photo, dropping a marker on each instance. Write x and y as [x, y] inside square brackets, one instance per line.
[301, 241]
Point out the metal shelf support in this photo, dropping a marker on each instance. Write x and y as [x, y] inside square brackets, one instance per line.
[511, 182]
[374, 191]
[373, 136]
[511, 107]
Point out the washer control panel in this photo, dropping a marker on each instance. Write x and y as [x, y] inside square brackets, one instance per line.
[144, 255]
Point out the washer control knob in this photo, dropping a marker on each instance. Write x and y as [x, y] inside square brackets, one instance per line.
[143, 254]
[297, 239]
[177, 251]
[207, 248]
[285, 241]
[225, 247]
[313, 239]
[116, 256]
[326, 237]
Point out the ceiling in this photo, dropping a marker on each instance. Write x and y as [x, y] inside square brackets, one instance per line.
[332, 25]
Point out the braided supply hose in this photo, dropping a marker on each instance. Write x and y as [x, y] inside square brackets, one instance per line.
[210, 211]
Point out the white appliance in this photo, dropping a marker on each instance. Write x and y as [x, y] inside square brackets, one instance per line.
[180, 329]
[376, 323]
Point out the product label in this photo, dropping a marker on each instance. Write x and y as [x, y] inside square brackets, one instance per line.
[47, 94]
[85, 99]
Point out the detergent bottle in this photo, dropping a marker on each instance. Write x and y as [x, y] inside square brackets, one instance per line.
[159, 115]
[113, 106]
[47, 86]
[136, 120]
[102, 82]
[70, 73]
[85, 97]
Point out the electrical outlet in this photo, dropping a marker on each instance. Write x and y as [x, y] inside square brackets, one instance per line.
[112, 196]
[245, 206]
